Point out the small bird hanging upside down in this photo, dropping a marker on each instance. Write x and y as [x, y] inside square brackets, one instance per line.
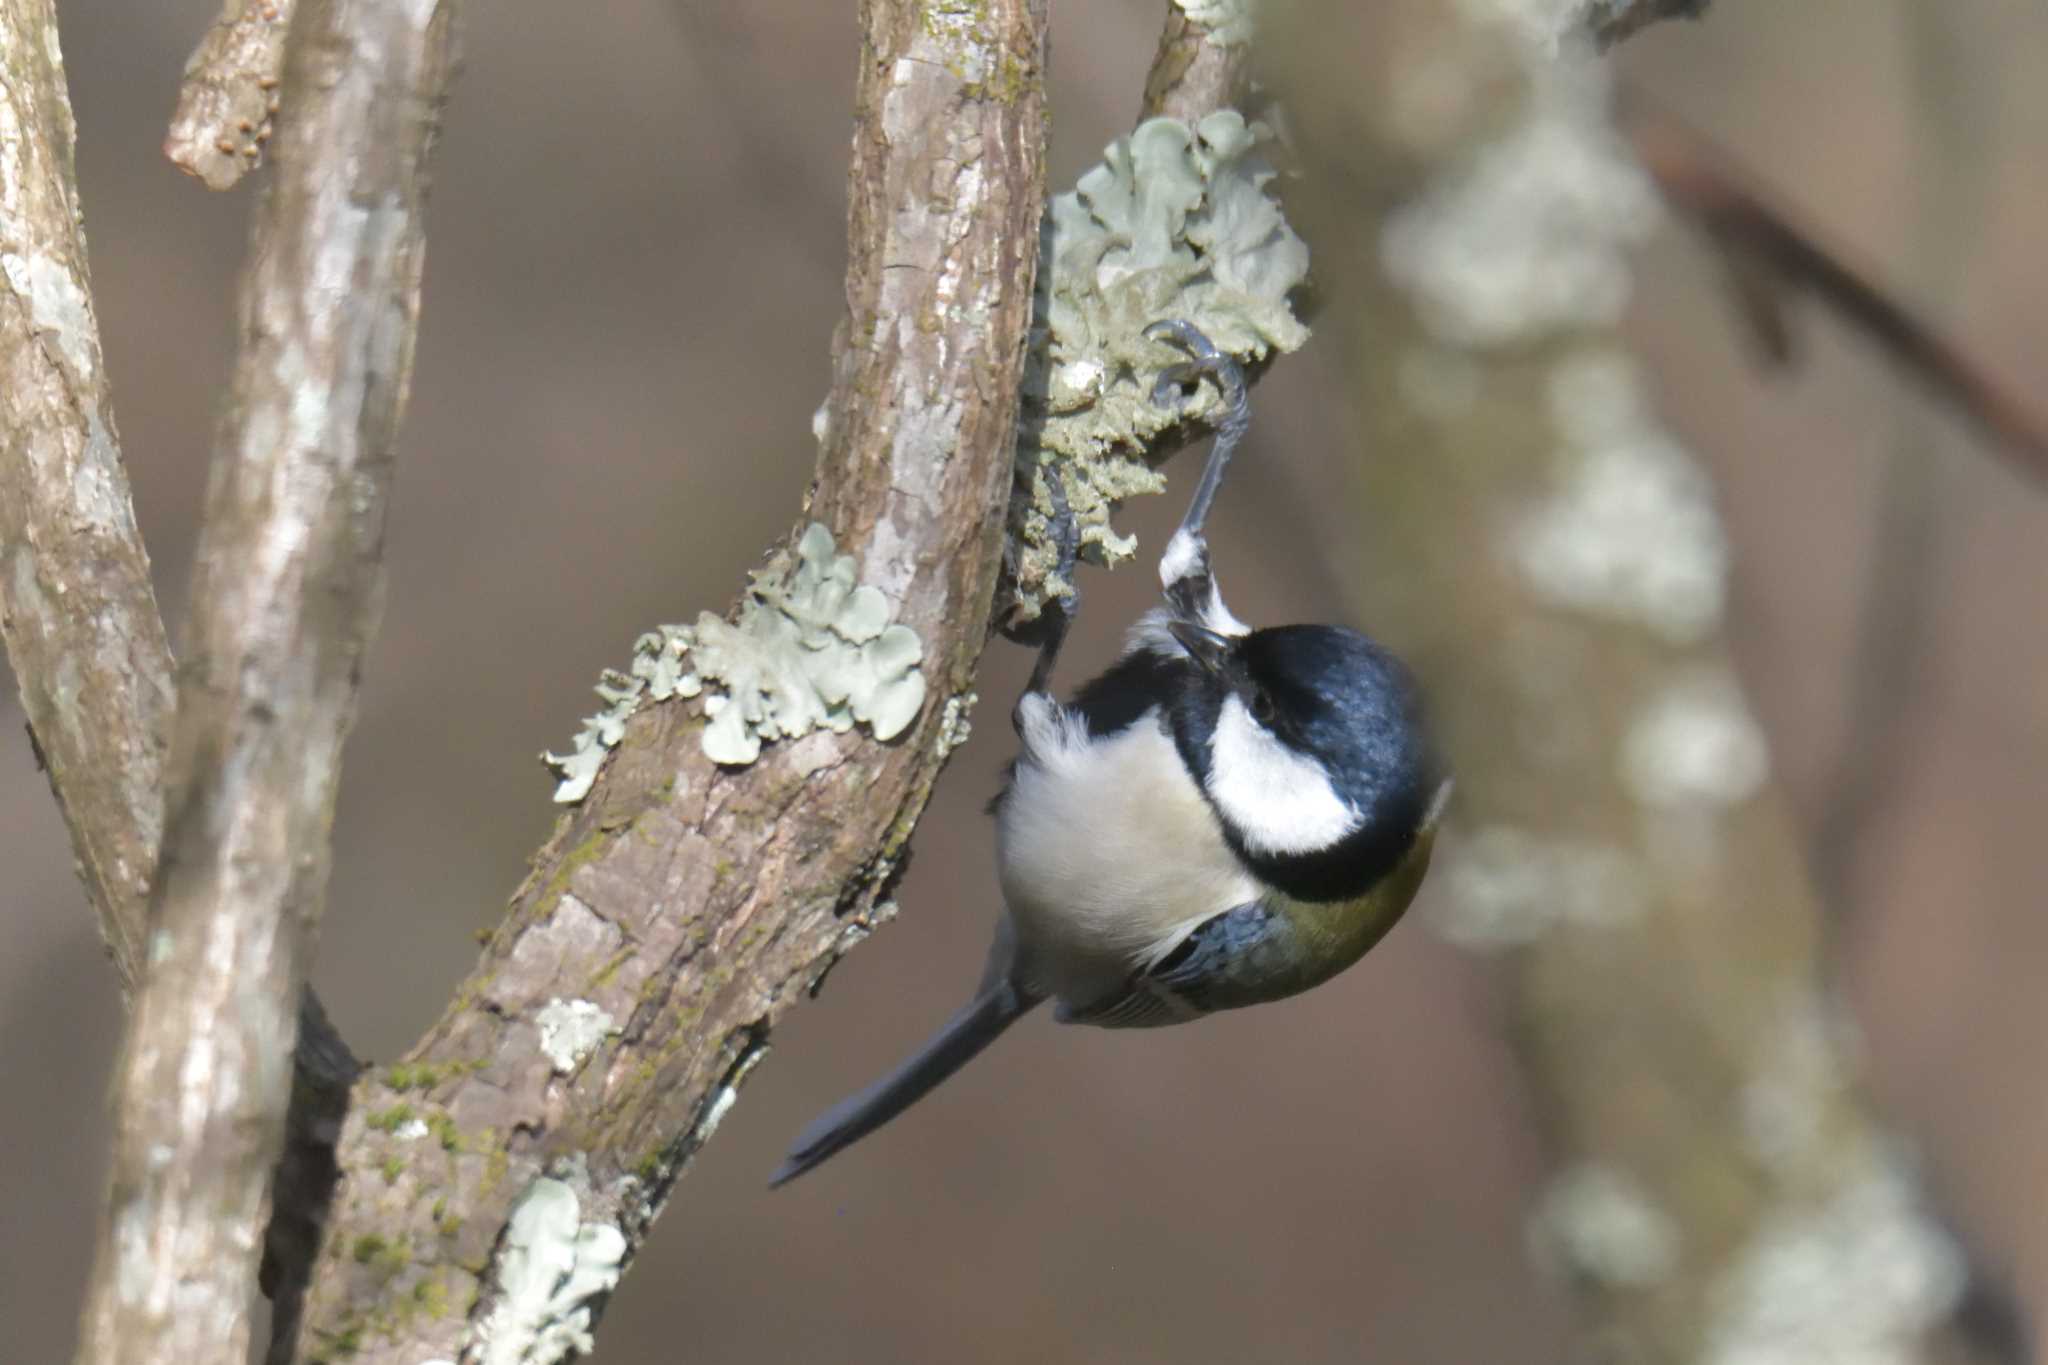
[1225, 817]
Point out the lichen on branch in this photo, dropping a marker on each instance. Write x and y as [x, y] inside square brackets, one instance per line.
[1175, 222]
[808, 649]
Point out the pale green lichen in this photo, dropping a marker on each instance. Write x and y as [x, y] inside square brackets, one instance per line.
[1175, 223]
[552, 1274]
[1695, 744]
[656, 673]
[1859, 1277]
[811, 649]
[1630, 533]
[1599, 1222]
[1504, 886]
[570, 1030]
[956, 721]
[1528, 235]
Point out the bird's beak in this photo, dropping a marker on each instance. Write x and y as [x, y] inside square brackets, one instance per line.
[1204, 646]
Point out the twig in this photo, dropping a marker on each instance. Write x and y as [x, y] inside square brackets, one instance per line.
[283, 605]
[1194, 73]
[1770, 254]
[230, 93]
[76, 606]
[1610, 21]
[690, 905]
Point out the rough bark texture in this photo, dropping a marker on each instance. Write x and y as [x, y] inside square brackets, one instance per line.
[76, 607]
[692, 905]
[284, 603]
[230, 94]
[1193, 74]
[1552, 561]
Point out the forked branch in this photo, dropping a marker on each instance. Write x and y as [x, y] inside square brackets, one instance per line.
[283, 605]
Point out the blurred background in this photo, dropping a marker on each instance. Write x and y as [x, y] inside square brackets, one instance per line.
[634, 269]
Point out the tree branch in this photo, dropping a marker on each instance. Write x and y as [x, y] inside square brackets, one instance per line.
[230, 93]
[1610, 21]
[284, 603]
[1194, 72]
[1770, 256]
[684, 907]
[76, 607]
[1554, 563]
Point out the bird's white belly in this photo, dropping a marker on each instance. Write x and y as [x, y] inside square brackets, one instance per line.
[1108, 855]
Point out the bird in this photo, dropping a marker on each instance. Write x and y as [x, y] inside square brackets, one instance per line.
[1226, 816]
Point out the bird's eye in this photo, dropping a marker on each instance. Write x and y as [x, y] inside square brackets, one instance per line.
[1262, 705]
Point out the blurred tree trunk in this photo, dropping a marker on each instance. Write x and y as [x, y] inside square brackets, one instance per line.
[1529, 535]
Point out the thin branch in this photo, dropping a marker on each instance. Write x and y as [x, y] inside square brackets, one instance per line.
[283, 605]
[1194, 73]
[229, 97]
[1771, 255]
[1610, 21]
[690, 905]
[76, 607]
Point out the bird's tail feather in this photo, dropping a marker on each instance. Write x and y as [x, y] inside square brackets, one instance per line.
[997, 1006]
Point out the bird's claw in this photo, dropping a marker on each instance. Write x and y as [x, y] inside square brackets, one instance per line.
[1048, 630]
[1170, 389]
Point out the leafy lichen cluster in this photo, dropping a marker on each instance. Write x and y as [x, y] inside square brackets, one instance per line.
[1176, 222]
[811, 649]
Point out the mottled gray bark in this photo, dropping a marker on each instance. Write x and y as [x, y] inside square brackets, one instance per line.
[1542, 548]
[683, 906]
[283, 605]
[76, 607]
[230, 96]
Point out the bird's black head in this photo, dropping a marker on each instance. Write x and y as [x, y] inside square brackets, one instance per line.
[1309, 743]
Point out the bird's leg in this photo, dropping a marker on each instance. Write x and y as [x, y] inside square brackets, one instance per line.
[1066, 533]
[1184, 570]
[1059, 611]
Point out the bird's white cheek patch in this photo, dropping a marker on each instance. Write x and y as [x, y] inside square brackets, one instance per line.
[1280, 801]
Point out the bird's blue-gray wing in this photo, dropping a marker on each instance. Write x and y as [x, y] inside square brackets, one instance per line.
[1241, 957]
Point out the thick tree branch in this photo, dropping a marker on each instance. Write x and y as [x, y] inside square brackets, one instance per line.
[283, 606]
[1553, 561]
[230, 93]
[682, 908]
[76, 607]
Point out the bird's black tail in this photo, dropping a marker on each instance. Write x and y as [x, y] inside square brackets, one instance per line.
[998, 1005]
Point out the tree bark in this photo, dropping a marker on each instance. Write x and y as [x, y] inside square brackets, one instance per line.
[77, 609]
[691, 905]
[1195, 72]
[229, 99]
[1553, 562]
[283, 607]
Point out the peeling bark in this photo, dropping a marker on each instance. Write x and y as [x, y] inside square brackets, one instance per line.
[687, 905]
[76, 606]
[283, 605]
